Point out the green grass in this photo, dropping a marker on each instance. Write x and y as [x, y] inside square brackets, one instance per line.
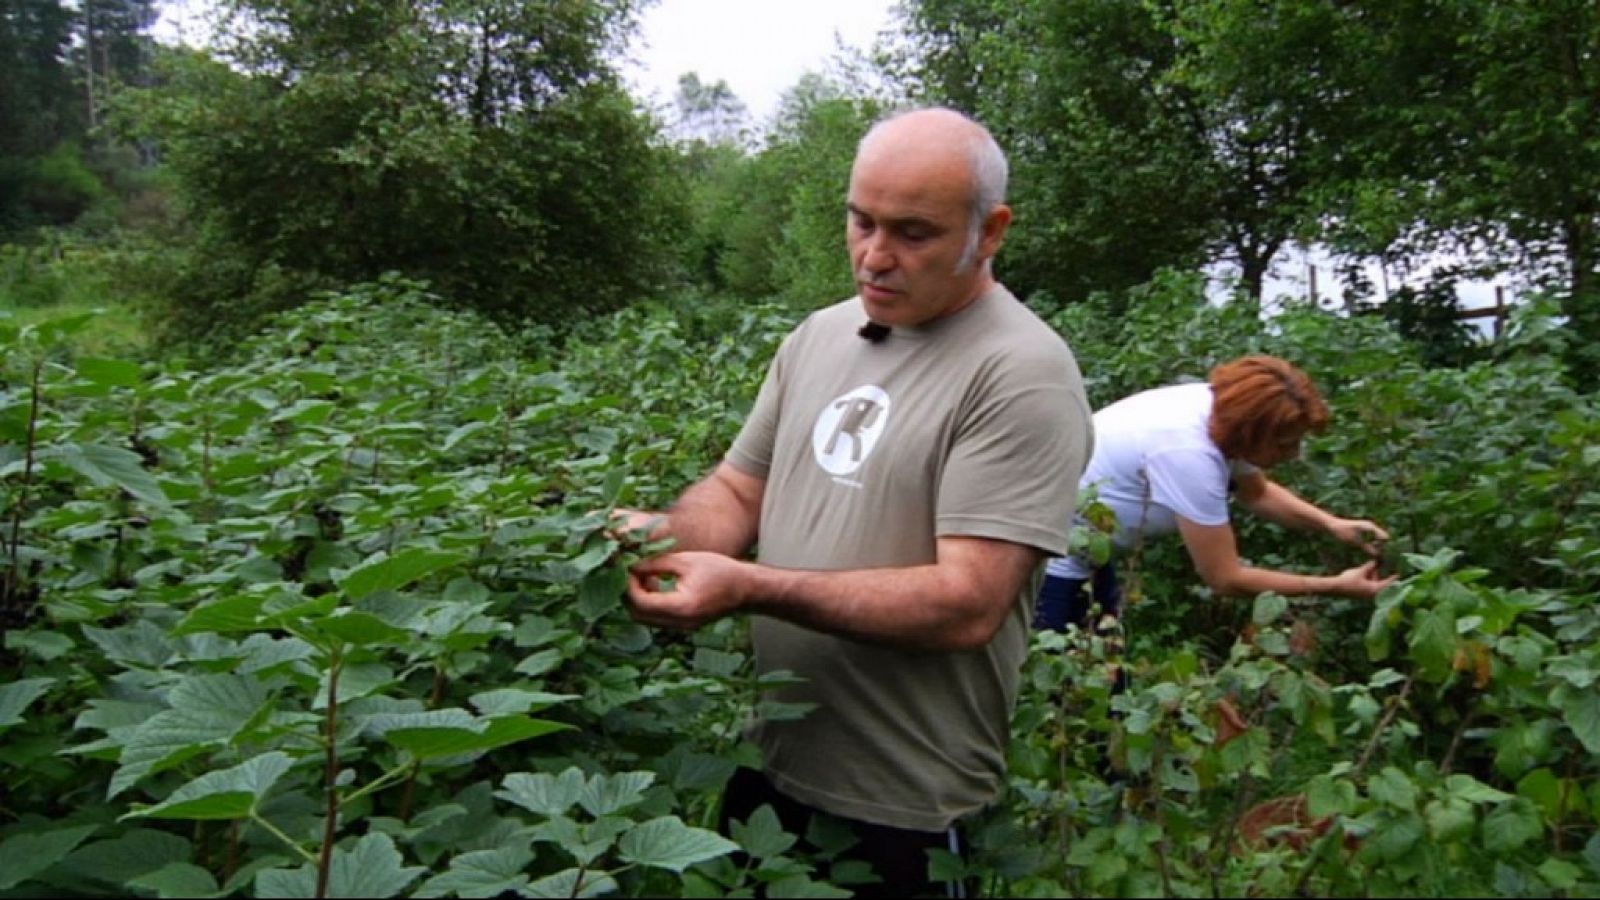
[114, 329]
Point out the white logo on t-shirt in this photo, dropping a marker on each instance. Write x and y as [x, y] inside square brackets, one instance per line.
[849, 428]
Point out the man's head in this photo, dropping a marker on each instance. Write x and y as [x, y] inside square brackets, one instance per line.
[926, 215]
[1261, 408]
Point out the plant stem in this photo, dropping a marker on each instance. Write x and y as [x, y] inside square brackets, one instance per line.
[275, 832]
[330, 828]
[13, 576]
[1383, 724]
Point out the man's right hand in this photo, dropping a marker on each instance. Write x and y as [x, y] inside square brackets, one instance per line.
[623, 521]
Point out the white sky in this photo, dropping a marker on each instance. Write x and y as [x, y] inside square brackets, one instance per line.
[760, 47]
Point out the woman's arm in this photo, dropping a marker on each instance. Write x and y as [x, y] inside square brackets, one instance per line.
[1274, 502]
[1215, 553]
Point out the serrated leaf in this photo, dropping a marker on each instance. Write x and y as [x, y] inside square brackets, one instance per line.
[226, 794]
[1392, 787]
[794, 887]
[481, 873]
[395, 572]
[372, 868]
[762, 836]
[177, 880]
[601, 592]
[16, 696]
[109, 467]
[1269, 607]
[208, 710]
[667, 843]
[1474, 791]
[361, 628]
[512, 701]
[1580, 709]
[536, 664]
[121, 859]
[109, 372]
[23, 856]
[603, 795]
[567, 883]
[543, 793]
[1510, 825]
[432, 735]
[226, 616]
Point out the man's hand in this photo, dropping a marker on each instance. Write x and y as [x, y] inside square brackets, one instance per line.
[706, 587]
[1361, 582]
[1359, 533]
[625, 520]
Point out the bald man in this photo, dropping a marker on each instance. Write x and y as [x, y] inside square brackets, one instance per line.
[912, 457]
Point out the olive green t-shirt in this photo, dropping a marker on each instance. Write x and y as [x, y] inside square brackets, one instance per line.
[973, 425]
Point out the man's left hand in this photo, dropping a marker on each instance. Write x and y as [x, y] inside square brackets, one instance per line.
[705, 587]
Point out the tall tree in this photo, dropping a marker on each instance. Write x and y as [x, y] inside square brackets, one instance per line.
[483, 144]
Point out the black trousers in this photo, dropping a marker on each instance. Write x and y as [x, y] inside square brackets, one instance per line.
[898, 856]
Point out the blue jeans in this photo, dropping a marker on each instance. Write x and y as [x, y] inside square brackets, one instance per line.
[1063, 601]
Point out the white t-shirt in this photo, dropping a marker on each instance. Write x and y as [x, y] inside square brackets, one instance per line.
[1154, 460]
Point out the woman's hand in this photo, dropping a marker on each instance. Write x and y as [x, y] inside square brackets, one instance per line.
[1361, 533]
[1361, 582]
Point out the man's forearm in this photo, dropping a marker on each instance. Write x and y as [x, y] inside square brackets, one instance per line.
[711, 516]
[912, 608]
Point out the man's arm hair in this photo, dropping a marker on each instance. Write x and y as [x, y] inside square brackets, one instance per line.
[721, 513]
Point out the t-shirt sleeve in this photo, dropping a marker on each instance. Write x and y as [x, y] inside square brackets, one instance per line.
[751, 452]
[1191, 482]
[1013, 472]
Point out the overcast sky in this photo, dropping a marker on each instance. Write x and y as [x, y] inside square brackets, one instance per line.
[760, 47]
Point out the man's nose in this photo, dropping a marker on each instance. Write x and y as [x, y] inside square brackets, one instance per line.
[876, 254]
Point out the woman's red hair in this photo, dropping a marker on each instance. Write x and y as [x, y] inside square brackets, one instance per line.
[1259, 402]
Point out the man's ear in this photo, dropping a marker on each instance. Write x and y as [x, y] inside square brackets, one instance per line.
[994, 231]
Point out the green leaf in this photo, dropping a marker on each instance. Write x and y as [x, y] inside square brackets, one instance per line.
[46, 645]
[667, 843]
[208, 710]
[793, 887]
[481, 873]
[1393, 787]
[373, 868]
[601, 592]
[606, 794]
[15, 697]
[109, 372]
[1433, 642]
[543, 793]
[1472, 790]
[1269, 607]
[452, 732]
[1510, 825]
[121, 859]
[567, 883]
[109, 467]
[23, 856]
[361, 628]
[177, 880]
[227, 794]
[1450, 820]
[762, 836]
[1580, 709]
[395, 572]
[1560, 874]
[511, 701]
[227, 616]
